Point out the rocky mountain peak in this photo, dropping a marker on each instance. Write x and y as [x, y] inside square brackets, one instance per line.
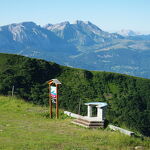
[58, 26]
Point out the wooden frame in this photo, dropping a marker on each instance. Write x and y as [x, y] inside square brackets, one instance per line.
[56, 83]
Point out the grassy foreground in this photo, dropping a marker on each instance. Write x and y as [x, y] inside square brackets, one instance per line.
[25, 126]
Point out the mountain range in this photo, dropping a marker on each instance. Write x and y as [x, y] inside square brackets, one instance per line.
[81, 45]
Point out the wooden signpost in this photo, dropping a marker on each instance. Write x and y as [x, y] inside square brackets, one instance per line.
[53, 95]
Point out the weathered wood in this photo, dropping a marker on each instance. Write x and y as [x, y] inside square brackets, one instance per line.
[12, 92]
[57, 110]
[72, 114]
[79, 124]
[115, 128]
[50, 103]
[88, 124]
[56, 82]
[85, 121]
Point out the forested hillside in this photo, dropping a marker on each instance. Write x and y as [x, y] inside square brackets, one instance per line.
[128, 97]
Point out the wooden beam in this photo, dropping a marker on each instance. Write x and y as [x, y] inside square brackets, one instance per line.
[115, 128]
[57, 109]
[72, 114]
[50, 102]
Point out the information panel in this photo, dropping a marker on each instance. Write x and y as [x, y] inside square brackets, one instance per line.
[53, 92]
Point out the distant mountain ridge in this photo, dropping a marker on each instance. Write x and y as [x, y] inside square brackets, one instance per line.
[81, 33]
[81, 44]
[28, 36]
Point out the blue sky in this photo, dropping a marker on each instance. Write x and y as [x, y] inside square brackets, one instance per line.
[109, 15]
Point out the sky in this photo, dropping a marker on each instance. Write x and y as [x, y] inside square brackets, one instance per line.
[109, 15]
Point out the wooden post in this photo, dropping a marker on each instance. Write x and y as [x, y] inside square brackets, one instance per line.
[12, 92]
[50, 102]
[57, 110]
[56, 82]
[79, 106]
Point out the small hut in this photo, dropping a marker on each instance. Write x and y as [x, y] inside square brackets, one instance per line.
[101, 110]
[91, 121]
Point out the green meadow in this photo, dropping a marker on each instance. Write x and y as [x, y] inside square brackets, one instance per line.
[26, 126]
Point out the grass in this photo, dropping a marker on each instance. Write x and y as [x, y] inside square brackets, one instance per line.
[25, 126]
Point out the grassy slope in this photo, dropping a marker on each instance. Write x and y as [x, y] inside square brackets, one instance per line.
[126, 96]
[24, 126]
